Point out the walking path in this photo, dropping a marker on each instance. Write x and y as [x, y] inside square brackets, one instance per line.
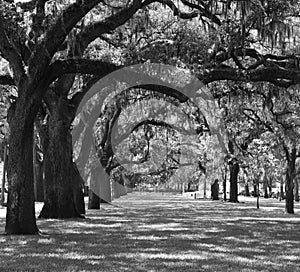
[162, 232]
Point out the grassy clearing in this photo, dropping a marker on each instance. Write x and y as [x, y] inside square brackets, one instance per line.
[155, 232]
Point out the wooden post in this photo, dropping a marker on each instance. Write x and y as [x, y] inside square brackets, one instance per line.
[4, 176]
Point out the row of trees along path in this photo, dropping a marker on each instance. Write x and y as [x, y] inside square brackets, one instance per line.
[49, 44]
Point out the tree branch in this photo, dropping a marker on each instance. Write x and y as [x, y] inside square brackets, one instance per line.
[258, 119]
[176, 11]
[56, 34]
[9, 51]
[101, 68]
[81, 66]
[39, 16]
[278, 76]
[203, 9]
[95, 30]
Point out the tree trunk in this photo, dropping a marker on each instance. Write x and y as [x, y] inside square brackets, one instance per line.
[100, 185]
[296, 181]
[247, 191]
[255, 189]
[215, 190]
[38, 176]
[289, 182]
[270, 189]
[94, 201]
[4, 175]
[224, 183]
[20, 217]
[59, 169]
[234, 171]
[115, 190]
[289, 200]
[224, 190]
[78, 192]
[266, 195]
[204, 188]
[118, 187]
[281, 194]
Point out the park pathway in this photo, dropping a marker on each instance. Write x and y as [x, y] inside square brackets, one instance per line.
[162, 232]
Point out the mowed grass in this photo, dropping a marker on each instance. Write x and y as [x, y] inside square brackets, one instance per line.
[161, 232]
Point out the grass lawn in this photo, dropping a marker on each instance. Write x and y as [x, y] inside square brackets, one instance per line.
[156, 232]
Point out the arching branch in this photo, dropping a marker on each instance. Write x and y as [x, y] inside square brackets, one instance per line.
[175, 9]
[56, 34]
[277, 76]
[95, 30]
[204, 10]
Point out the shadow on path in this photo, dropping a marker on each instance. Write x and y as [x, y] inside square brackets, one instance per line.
[155, 232]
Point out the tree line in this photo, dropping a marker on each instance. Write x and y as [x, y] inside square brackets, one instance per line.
[56, 50]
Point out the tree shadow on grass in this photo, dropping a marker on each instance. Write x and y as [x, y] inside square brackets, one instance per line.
[154, 232]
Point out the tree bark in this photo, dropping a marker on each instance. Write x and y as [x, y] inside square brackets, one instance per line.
[234, 171]
[60, 184]
[289, 182]
[20, 217]
[4, 175]
[215, 190]
[78, 192]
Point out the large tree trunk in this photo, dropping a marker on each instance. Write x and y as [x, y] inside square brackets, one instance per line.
[234, 171]
[59, 168]
[20, 217]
